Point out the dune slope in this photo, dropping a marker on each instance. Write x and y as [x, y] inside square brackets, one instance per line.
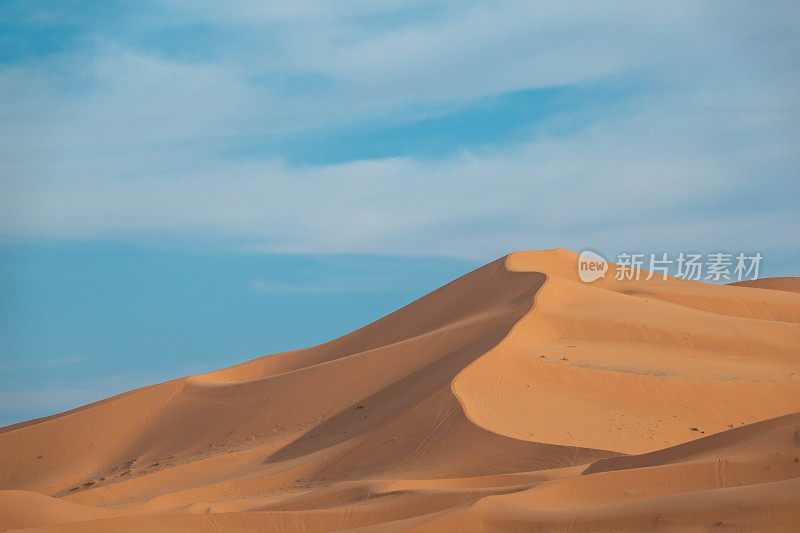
[514, 398]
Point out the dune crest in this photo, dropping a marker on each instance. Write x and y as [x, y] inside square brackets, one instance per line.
[515, 397]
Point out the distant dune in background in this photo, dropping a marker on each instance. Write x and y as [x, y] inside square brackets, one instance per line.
[515, 398]
[791, 284]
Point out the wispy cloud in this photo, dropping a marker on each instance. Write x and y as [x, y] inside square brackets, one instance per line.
[47, 362]
[328, 285]
[68, 360]
[50, 400]
[139, 131]
[31, 402]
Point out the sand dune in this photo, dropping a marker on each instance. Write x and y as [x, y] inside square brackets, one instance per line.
[515, 398]
[791, 284]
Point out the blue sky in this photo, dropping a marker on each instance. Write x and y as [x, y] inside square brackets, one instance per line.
[80, 321]
[172, 173]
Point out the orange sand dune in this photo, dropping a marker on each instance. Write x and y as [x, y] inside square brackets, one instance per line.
[514, 398]
[779, 284]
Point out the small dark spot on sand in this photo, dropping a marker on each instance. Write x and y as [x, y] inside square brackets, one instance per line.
[359, 406]
[88, 484]
[693, 429]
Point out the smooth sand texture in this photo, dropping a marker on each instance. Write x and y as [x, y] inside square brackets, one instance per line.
[515, 398]
[791, 284]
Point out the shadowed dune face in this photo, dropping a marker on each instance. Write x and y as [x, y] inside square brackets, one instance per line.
[514, 398]
[790, 284]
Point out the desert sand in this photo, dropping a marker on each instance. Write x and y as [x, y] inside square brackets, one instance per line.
[515, 398]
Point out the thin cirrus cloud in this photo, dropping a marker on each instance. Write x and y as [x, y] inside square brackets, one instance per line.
[19, 405]
[397, 128]
[53, 362]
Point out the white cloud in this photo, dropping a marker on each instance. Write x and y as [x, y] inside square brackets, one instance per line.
[133, 144]
[349, 285]
[67, 360]
[20, 405]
